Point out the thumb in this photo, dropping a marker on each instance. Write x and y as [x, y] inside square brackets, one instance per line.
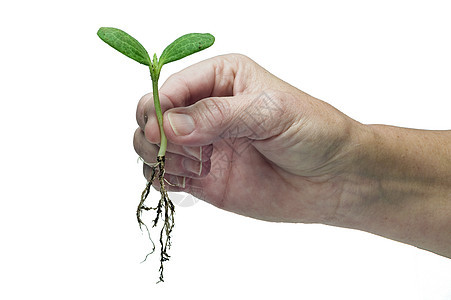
[251, 116]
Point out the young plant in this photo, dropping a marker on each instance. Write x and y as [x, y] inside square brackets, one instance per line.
[180, 48]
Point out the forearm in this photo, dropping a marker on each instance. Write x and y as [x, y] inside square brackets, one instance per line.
[403, 182]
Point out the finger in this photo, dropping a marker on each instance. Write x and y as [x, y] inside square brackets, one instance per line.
[177, 165]
[172, 183]
[211, 77]
[253, 116]
[182, 164]
[149, 151]
[145, 114]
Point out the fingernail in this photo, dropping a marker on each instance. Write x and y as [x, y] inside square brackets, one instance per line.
[192, 166]
[194, 151]
[178, 181]
[181, 124]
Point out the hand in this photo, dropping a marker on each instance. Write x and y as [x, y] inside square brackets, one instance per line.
[250, 143]
[245, 141]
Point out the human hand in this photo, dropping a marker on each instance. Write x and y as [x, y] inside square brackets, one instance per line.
[245, 141]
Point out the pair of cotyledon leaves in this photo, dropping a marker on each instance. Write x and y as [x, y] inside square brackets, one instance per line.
[180, 48]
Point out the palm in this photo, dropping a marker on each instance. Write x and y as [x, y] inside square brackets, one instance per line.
[244, 181]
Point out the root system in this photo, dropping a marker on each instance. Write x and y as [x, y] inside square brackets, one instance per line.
[164, 210]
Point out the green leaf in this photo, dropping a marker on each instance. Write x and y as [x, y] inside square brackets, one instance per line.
[124, 43]
[186, 45]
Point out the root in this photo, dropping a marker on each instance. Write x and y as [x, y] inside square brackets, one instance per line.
[165, 209]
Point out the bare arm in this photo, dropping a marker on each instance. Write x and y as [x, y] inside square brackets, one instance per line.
[403, 179]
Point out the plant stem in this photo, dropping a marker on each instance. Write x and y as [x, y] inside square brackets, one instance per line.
[155, 74]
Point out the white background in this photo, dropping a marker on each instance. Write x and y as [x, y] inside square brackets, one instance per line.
[69, 178]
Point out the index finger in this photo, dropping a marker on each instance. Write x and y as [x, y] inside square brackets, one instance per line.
[214, 77]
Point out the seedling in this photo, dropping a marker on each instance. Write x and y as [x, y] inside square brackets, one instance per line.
[180, 48]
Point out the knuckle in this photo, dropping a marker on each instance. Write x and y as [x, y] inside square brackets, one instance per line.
[224, 77]
[266, 115]
[215, 112]
[238, 57]
[241, 61]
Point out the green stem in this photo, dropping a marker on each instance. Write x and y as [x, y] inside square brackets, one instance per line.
[155, 74]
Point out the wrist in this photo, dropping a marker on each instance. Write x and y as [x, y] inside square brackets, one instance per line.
[399, 186]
